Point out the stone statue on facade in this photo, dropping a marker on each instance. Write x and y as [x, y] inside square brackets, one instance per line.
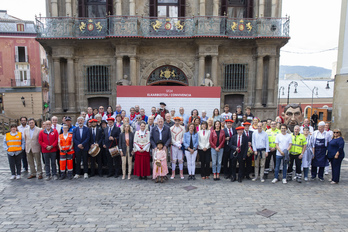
[207, 81]
[124, 81]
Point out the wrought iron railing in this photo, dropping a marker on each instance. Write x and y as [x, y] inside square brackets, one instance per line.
[23, 82]
[149, 27]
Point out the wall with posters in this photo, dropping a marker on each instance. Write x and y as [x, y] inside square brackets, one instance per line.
[200, 98]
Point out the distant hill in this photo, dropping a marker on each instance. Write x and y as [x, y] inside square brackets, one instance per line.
[304, 71]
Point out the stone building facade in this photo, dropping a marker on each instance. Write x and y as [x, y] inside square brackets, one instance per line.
[236, 41]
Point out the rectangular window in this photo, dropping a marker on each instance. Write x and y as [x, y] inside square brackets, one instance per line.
[21, 54]
[321, 116]
[20, 27]
[236, 76]
[97, 79]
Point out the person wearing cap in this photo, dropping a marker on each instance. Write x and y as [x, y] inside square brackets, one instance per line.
[69, 124]
[321, 139]
[66, 151]
[177, 135]
[81, 138]
[191, 144]
[238, 152]
[110, 139]
[14, 144]
[172, 113]
[272, 134]
[96, 140]
[226, 161]
[249, 159]
[283, 145]
[163, 110]
[261, 148]
[204, 117]
[226, 114]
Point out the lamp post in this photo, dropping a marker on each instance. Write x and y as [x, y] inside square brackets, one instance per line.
[280, 89]
[295, 85]
[316, 93]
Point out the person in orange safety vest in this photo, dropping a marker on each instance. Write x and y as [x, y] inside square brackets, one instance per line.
[66, 147]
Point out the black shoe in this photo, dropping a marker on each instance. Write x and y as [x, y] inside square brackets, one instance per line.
[248, 178]
[145, 177]
[116, 176]
[265, 176]
[62, 176]
[189, 177]
[100, 175]
[70, 176]
[215, 179]
[110, 175]
[239, 180]
[92, 175]
[193, 177]
[140, 177]
[233, 179]
[226, 177]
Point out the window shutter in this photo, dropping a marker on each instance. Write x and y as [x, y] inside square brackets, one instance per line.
[16, 54]
[110, 7]
[28, 72]
[223, 7]
[250, 9]
[82, 8]
[153, 8]
[16, 72]
[182, 5]
[26, 54]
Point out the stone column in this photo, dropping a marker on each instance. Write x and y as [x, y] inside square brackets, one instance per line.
[119, 68]
[202, 7]
[262, 8]
[131, 7]
[133, 70]
[54, 8]
[271, 80]
[214, 68]
[57, 85]
[68, 8]
[216, 8]
[118, 7]
[259, 81]
[201, 70]
[71, 85]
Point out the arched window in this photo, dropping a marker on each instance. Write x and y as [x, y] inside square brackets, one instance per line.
[97, 79]
[95, 8]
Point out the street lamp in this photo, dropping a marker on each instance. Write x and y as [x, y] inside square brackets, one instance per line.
[295, 85]
[282, 91]
[316, 93]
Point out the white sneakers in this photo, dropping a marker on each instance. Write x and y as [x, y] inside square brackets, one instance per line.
[254, 179]
[13, 177]
[275, 180]
[262, 180]
[76, 176]
[284, 181]
[306, 178]
[85, 176]
[18, 177]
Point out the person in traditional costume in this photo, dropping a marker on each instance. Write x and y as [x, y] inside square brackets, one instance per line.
[160, 168]
[141, 152]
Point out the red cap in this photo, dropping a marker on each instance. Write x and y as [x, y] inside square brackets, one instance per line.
[110, 119]
[229, 120]
[247, 123]
[240, 128]
[93, 120]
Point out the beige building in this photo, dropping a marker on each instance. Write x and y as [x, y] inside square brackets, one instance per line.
[93, 45]
[340, 103]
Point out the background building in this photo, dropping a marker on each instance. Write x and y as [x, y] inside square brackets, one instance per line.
[20, 68]
[340, 107]
[92, 45]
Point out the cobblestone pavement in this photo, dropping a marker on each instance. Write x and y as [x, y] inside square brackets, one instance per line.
[109, 204]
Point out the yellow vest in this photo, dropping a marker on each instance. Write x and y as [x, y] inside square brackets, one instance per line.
[272, 134]
[14, 143]
[297, 144]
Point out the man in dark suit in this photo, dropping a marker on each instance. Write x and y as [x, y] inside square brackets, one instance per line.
[96, 140]
[160, 132]
[249, 158]
[239, 148]
[81, 136]
[229, 132]
[110, 139]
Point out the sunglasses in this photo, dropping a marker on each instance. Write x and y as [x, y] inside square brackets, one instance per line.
[336, 132]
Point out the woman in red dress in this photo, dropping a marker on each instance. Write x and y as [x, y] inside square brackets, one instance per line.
[142, 154]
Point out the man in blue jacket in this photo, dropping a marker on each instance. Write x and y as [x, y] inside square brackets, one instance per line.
[81, 137]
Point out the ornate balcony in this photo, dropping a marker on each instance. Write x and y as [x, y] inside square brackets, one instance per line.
[148, 27]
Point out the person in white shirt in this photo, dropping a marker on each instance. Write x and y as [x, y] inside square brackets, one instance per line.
[177, 135]
[306, 123]
[55, 124]
[261, 148]
[24, 154]
[204, 150]
[89, 114]
[283, 145]
[226, 115]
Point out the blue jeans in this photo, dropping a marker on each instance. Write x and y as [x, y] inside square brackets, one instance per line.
[276, 171]
[216, 158]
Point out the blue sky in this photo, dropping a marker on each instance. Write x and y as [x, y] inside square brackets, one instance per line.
[314, 27]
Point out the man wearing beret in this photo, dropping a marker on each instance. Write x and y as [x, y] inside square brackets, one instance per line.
[229, 132]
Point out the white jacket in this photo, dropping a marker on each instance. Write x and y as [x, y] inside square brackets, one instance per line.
[203, 141]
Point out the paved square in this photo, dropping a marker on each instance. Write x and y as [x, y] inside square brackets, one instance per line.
[109, 204]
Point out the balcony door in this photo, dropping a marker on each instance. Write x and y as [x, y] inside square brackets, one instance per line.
[237, 8]
[167, 8]
[95, 8]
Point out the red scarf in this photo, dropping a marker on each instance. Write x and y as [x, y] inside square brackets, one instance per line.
[131, 117]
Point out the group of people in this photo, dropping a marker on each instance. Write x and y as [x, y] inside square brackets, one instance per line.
[233, 141]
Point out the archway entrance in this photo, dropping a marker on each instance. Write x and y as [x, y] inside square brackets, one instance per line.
[167, 75]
